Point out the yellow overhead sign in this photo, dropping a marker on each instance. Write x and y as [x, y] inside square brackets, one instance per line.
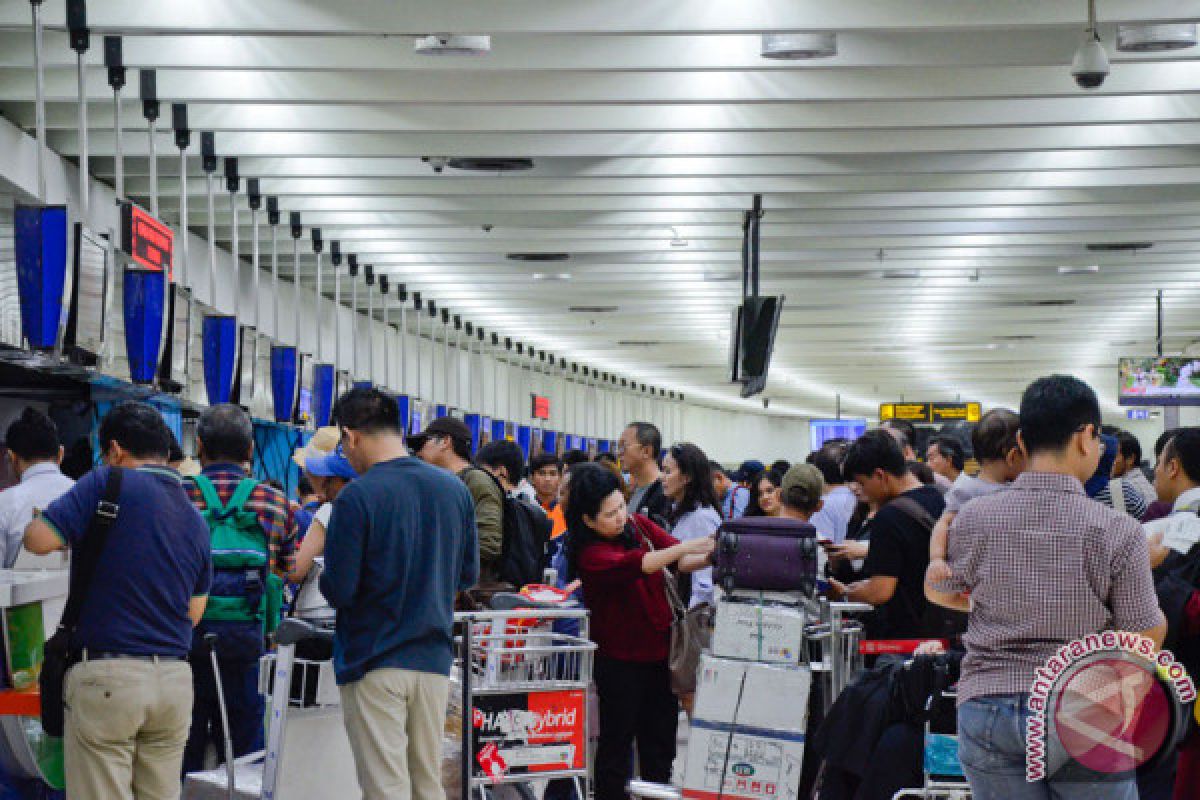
[931, 412]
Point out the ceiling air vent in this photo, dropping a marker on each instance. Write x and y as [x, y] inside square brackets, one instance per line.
[638, 343]
[451, 44]
[1118, 247]
[538, 256]
[1016, 337]
[1050, 303]
[491, 164]
[1156, 38]
[592, 309]
[796, 46]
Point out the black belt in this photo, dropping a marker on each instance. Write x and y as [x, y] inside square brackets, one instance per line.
[101, 655]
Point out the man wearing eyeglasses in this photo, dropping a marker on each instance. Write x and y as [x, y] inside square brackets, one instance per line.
[1044, 566]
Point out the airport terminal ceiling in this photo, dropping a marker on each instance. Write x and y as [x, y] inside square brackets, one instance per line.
[947, 212]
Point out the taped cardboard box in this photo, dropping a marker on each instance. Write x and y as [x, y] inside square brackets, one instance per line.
[768, 696]
[742, 763]
[759, 632]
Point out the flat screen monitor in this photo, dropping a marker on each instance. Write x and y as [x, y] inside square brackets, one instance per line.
[821, 431]
[89, 297]
[1159, 381]
[246, 362]
[177, 339]
[757, 326]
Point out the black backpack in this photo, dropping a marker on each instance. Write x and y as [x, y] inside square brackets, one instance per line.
[526, 533]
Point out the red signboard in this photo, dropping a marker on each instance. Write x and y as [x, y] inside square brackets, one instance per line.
[541, 407]
[146, 240]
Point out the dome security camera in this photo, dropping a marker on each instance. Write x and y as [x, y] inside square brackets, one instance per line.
[1090, 66]
[487, 227]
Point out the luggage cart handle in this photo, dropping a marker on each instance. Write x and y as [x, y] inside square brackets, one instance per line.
[851, 608]
[293, 630]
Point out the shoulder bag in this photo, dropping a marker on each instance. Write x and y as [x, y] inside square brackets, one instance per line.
[691, 632]
[58, 655]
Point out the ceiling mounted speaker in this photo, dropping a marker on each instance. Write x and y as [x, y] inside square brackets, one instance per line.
[449, 44]
[1156, 38]
[795, 46]
[491, 164]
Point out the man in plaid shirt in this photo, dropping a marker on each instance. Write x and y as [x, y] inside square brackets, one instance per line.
[226, 445]
[1044, 565]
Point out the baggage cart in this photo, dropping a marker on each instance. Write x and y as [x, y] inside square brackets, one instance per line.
[835, 654]
[942, 770]
[524, 697]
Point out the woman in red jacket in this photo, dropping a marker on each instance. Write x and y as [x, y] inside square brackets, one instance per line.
[621, 561]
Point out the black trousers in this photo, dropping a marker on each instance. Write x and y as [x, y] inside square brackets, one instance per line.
[638, 708]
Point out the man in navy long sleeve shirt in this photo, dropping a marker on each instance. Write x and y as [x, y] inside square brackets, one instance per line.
[401, 543]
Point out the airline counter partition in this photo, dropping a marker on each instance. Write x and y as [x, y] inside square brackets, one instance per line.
[525, 440]
[499, 430]
[474, 424]
[404, 405]
[550, 442]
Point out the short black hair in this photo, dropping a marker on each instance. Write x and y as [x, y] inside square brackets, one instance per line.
[781, 466]
[1161, 442]
[138, 428]
[503, 453]
[922, 472]
[1055, 408]
[1185, 446]
[647, 435]
[606, 458]
[575, 457]
[874, 450]
[226, 433]
[176, 453]
[304, 485]
[699, 493]
[368, 410]
[995, 435]
[828, 459]
[1128, 445]
[591, 485]
[906, 428]
[951, 450]
[543, 460]
[33, 436]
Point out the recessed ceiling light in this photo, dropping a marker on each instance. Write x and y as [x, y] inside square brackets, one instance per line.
[796, 46]
[551, 276]
[453, 44]
[1090, 269]
[1156, 38]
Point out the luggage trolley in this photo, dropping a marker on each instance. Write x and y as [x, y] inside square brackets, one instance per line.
[524, 696]
[834, 654]
[944, 777]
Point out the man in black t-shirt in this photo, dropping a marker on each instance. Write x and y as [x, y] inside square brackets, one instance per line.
[899, 552]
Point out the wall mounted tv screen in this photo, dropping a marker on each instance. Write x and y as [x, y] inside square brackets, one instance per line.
[1159, 381]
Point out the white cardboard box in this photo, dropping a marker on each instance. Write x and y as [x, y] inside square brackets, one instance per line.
[752, 764]
[745, 693]
[793, 599]
[759, 632]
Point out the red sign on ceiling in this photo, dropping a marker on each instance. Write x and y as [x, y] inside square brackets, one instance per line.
[146, 240]
[541, 407]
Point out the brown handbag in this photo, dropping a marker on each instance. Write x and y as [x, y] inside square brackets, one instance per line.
[691, 634]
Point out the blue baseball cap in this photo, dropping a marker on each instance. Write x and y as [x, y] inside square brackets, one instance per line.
[331, 465]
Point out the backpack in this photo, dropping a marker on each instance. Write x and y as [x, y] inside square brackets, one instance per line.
[526, 533]
[246, 598]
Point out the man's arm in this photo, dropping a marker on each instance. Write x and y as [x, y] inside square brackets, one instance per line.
[42, 538]
[877, 590]
[344, 549]
[489, 517]
[951, 600]
[468, 574]
[196, 608]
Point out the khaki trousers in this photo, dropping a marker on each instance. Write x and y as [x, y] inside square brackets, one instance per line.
[394, 720]
[126, 725]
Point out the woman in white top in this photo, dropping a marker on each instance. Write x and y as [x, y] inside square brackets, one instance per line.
[328, 473]
[687, 483]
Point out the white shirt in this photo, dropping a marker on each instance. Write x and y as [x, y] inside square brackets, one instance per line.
[1181, 530]
[1137, 479]
[834, 517]
[40, 486]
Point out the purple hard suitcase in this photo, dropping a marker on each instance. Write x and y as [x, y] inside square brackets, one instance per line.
[772, 554]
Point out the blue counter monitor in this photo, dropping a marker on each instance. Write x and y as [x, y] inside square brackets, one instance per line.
[550, 442]
[525, 440]
[404, 405]
[822, 430]
[440, 411]
[475, 426]
[499, 430]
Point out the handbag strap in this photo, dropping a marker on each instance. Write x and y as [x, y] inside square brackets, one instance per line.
[678, 611]
[83, 565]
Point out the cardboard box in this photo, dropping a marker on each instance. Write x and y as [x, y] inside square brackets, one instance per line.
[753, 695]
[792, 599]
[759, 632]
[752, 764]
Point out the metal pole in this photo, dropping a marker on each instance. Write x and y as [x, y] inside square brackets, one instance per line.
[1159, 337]
[151, 131]
[254, 262]
[370, 280]
[183, 217]
[417, 306]
[233, 250]
[273, 221]
[354, 316]
[445, 359]
[387, 333]
[83, 139]
[40, 99]
[119, 151]
[212, 242]
[319, 350]
[403, 337]
[337, 315]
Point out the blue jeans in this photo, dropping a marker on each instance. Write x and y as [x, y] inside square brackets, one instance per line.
[991, 746]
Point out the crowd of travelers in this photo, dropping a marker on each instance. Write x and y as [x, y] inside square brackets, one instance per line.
[1032, 531]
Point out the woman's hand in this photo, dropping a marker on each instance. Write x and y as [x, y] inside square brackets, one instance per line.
[699, 547]
[849, 551]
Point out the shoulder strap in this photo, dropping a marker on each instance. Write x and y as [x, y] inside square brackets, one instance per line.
[209, 492]
[674, 600]
[240, 495]
[83, 565]
[914, 511]
[1116, 490]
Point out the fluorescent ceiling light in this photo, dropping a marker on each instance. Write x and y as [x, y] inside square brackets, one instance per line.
[452, 44]
[901, 273]
[1090, 269]
[551, 276]
[1156, 38]
[796, 46]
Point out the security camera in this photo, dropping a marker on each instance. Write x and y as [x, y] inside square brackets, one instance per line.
[487, 227]
[438, 163]
[1090, 66]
